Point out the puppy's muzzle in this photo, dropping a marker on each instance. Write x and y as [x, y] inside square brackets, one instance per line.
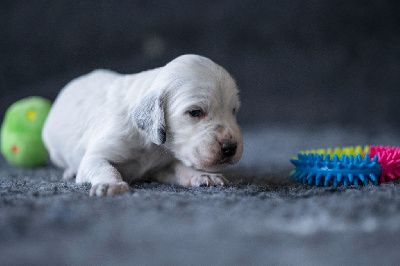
[228, 149]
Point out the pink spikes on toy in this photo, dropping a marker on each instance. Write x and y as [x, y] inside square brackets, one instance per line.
[389, 159]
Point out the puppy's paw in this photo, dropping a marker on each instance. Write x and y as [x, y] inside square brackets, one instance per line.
[109, 189]
[207, 180]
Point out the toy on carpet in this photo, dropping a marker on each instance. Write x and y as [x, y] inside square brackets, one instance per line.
[21, 141]
[348, 166]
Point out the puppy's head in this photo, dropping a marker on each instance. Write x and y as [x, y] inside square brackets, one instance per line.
[191, 110]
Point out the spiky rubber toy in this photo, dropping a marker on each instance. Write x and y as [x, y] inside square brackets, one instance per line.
[348, 166]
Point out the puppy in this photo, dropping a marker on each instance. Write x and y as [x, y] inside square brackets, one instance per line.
[175, 124]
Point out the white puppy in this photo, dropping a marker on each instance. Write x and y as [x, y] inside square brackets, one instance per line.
[173, 124]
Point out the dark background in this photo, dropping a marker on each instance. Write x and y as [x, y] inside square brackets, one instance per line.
[302, 62]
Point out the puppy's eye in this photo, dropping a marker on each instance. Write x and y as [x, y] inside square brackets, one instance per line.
[196, 113]
[234, 111]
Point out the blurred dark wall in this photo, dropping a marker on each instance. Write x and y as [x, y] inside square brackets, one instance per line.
[295, 61]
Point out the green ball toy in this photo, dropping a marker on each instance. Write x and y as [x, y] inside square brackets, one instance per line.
[21, 140]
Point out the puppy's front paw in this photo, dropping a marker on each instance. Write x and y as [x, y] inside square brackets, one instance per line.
[207, 180]
[109, 189]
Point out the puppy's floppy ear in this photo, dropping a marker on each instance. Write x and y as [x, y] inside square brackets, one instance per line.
[149, 117]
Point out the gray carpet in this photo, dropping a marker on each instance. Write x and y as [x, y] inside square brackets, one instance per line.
[262, 218]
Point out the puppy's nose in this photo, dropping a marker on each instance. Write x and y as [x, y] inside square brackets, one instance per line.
[228, 148]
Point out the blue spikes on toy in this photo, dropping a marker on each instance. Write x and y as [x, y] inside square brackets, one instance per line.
[348, 166]
[321, 170]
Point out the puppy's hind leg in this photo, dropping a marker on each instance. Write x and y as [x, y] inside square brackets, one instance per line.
[189, 177]
[68, 174]
[59, 161]
[105, 179]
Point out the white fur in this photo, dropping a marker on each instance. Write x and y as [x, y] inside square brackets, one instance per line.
[109, 129]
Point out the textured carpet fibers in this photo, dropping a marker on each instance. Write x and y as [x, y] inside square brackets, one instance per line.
[259, 219]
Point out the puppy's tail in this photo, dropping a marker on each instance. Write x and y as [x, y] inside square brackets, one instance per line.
[21, 141]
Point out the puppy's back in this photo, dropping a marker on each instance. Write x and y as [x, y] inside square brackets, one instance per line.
[78, 104]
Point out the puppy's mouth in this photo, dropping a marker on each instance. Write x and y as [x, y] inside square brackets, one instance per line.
[224, 161]
[213, 161]
[216, 165]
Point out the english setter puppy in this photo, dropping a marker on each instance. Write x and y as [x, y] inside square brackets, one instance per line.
[174, 124]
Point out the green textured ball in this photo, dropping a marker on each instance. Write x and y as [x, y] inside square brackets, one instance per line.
[21, 140]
